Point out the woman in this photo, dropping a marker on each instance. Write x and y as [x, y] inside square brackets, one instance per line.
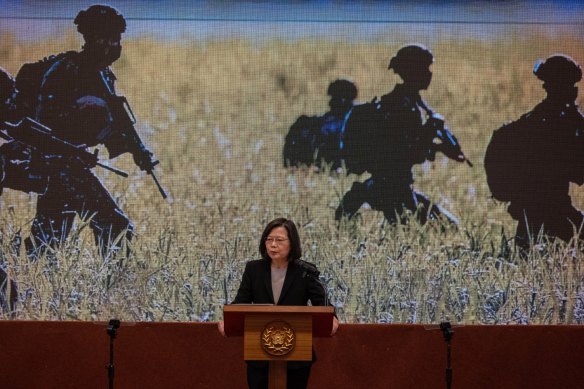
[280, 278]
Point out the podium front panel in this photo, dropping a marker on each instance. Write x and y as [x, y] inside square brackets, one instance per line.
[260, 328]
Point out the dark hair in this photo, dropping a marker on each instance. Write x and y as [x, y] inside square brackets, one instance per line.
[295, 249]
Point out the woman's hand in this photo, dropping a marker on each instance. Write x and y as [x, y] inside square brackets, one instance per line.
[335, 326]
[221, 328]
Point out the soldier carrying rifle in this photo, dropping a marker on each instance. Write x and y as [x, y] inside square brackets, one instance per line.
[15, 157]
[388, 137]
[77, 101]
[14, 174]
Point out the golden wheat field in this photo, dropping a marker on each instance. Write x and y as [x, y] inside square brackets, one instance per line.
[216, 113]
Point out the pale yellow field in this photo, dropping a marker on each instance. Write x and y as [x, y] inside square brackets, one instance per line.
[216, 114]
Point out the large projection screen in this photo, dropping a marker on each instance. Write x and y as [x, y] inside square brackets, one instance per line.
[215, 88]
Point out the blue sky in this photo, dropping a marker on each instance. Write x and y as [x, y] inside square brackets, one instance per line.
[372, 11]
[172, 19]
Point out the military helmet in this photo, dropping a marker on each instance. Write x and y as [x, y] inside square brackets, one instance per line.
[92, 114]
[558, 69]
[411, 56]
[342, 88]
[100, 20]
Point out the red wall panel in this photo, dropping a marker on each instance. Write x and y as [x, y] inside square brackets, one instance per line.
[194, 355]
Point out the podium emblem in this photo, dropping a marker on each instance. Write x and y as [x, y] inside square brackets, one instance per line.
[278, 338]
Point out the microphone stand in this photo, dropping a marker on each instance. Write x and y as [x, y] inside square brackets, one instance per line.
[112, 328]
[448, 333]
[326, 302]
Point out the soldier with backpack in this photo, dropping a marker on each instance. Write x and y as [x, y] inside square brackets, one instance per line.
[531, 162]
[73, 100]
[387, 137]
[14, 164]
[316, 139]
[16, 171]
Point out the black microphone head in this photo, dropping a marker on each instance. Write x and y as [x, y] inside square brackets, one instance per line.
[114, 323]
[112, 327]
[308, 268]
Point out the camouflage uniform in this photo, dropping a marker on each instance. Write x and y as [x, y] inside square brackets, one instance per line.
[531, 162]
[72, 103]
[400, 140]
[316, 139]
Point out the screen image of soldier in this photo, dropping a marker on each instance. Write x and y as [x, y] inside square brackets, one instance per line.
[531, 162]
[77, 101]
[387, 137]
[14, 174]
[17, 169]
[316, 139]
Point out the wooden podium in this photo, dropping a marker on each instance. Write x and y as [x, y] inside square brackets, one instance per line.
[277, 333]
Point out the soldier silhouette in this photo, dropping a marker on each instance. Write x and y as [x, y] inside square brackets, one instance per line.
[72, 101]
[531, 162]
[388, 137]
[7, 96]
[316, 139]
[14, 175]
[15, 158]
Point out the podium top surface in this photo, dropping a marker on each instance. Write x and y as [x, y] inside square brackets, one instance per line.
[234, 316]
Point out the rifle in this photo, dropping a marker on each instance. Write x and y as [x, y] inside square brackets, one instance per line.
[40, 138]
[450, 146]
[124, 137]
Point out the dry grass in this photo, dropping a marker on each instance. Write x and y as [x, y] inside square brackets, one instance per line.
[216, 114]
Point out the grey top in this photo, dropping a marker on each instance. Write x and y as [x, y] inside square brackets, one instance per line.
[278, 276]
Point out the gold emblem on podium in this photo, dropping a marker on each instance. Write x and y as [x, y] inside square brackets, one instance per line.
[278, 338]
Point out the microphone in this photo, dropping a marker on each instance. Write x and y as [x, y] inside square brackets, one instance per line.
[309, 270]
[112, 327]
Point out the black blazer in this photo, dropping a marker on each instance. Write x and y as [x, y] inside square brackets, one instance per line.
[300, 285]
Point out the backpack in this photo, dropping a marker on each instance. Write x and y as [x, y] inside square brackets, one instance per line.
[29, 81]
[358, 136]
[505, 162]
[300, 142]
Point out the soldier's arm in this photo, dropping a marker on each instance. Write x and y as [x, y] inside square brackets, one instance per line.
[578, 123]
[416, 137]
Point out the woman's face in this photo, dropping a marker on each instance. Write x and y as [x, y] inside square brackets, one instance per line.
[278, 244]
